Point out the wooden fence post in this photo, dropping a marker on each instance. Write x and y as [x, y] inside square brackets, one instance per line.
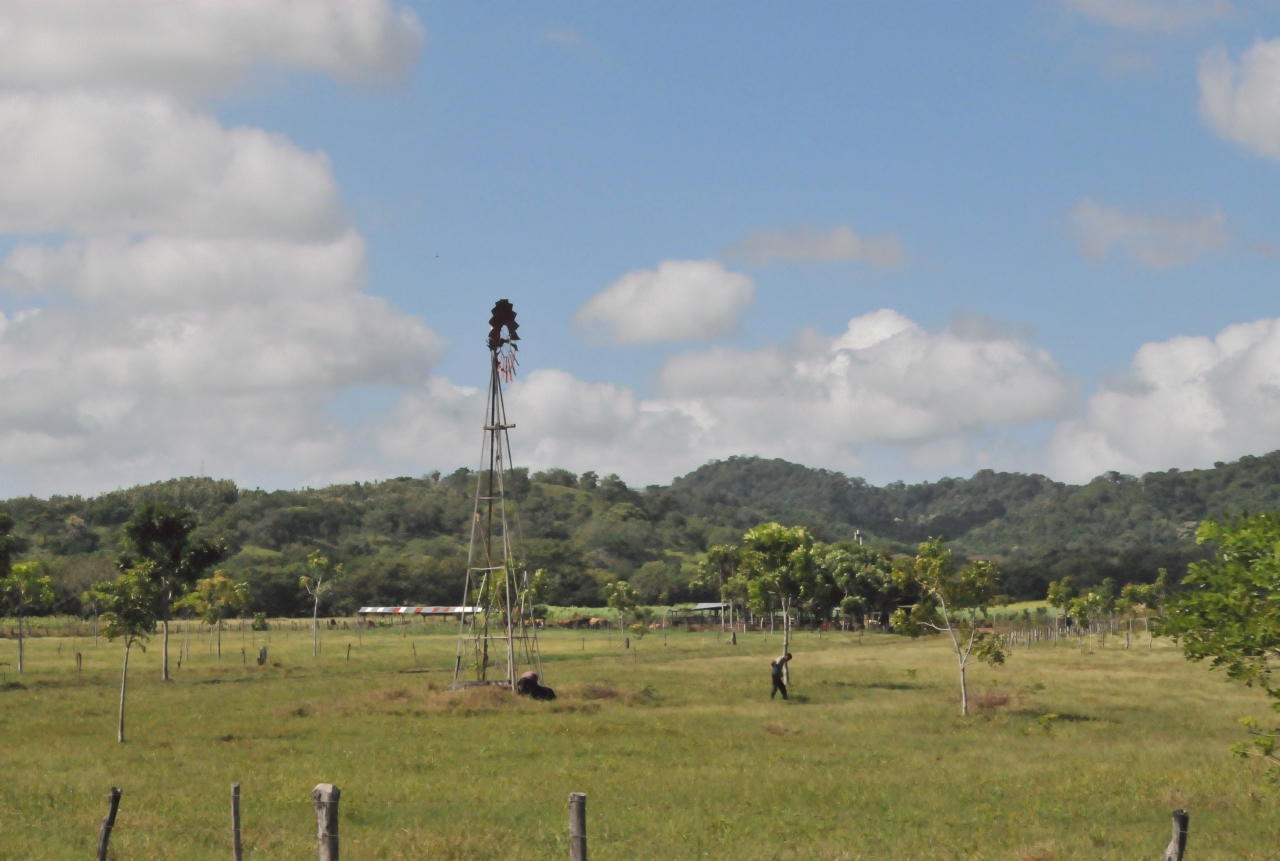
[108, 822]
[236, 846]
[262, 655]
[1178, 845]
[326, 798]
[577, 826]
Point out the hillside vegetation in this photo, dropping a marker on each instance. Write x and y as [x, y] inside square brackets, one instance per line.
[404, 540]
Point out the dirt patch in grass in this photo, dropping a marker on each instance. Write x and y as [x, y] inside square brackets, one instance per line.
[990, 702]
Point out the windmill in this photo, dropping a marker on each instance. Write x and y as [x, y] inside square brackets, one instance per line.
[497, 639]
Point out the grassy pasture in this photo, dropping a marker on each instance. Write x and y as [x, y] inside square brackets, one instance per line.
[679, 749]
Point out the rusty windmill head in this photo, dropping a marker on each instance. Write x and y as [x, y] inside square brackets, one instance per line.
[504, 349]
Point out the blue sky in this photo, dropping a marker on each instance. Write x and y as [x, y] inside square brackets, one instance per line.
[1072, 201]
[542, 150]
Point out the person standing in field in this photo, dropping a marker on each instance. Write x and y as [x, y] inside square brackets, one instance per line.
[779, 668]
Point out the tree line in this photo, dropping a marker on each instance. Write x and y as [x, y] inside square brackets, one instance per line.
[404, 540]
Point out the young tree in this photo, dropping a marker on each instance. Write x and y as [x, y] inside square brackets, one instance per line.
[1060, 593]
[129, 610]
[620, 596]
[214, 599]
[778, 562]
[717, 569]
[1150, 597]
[25, 588]
[160, 534]
[1228, 611]
[1091, 605]
[953, 601]
[316, 587]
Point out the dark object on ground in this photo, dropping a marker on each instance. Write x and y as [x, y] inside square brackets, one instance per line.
[527, 686]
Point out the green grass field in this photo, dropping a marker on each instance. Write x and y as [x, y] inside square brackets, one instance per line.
[677, 745]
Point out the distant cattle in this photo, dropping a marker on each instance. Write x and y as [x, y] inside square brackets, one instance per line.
[574, 623]
[598, 623]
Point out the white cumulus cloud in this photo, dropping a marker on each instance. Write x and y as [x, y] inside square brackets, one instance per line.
[883, 384]
[196, 292]
[142, 162]
[1185, 402]
[682, 300]
[1154, 241]
[1165, 16]
[1241, 100]
[810, 244]
[200, 45]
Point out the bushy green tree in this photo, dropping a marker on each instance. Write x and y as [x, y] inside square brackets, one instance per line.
[857, 579]
[25, 588]
[162, 535]
[1060, 594]
[1228, 611]
[953, 601]
[778, 564]
[129, 612]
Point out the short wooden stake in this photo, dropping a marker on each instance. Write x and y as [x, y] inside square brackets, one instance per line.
[1178, 845]
[236, 846]
[262, 655]
[349, 652]
[325, 797]
[108, 822]
[79, 660]
[577, 826]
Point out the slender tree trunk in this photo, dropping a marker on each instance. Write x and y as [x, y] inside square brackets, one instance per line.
[21, 649]
[315, 630]
[164, 650]
[961, 657]
[124, 680]
[219, 639]
[95, 626]
[786, 640]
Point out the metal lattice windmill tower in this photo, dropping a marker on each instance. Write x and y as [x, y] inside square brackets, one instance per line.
[497, 640]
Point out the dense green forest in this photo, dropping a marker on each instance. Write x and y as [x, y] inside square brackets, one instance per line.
[404, 540]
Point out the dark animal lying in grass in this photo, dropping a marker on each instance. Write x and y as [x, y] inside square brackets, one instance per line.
[527, 686]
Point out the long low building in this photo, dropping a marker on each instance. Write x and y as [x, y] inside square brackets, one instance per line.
[417, 611]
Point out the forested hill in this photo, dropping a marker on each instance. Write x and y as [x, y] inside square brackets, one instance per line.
[404, 540]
